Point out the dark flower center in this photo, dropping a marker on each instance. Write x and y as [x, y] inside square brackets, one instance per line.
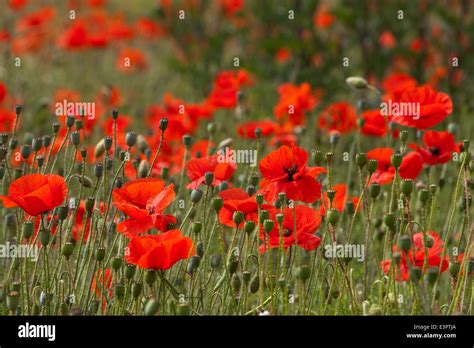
[434, 151]
[151, 210]
[291, 171]
[286, 232]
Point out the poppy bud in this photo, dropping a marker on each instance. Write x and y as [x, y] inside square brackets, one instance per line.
[187, 140]
[250, 190]
[264, 214]
[56, 127]
[196, 196]
[25, 151]
[454, 268]
[27, 229]
[83, 152]
[223, 186]
[396, 160]
[334, 138]
[75, 138]
[163, 124]
[143, 169]
[130, 138]
[115, 114]
[108, 143]
[3, 138]
[236, 283]
[137, 288]
[404, 243]
[193, 264]
[303, 273]
[333, 216]
[100, 254]
[79, 124]
[116, 263]
[258, 133]
[12, 144]
[200, 249]
[331, 194]
[259, 198]
[217, 203]
[70, 121]
[216, 261]
[374, 190]
[232, 265]
[372, 165]
[432, 275]
[98, 170]
[279, 218]
[208, 178]
[404, 135]
[184, 309]
[433, 189]
[238, 217]
[254, 284]
[13, 300]
[396, 257]
[249, 226]
[317, 157]
[62, 212]
[329, 157]
[197, 227]
[415, 274]
[246, 276]
[37, 144]
[361, 159]
[389, 220]
[423, 196]
[407, 186]
[119, 290]
[18, 109]
[357, 82]
[211, 127]
[3, 153]
[44, 236]
[150, 277]
[67, 249]
[130, 271]
[89, 204]
[268, 225]
[429, 241]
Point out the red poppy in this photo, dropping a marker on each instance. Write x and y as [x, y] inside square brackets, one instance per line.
[247, 130]
[375, 124]
[412, 165]
[439, 147]
[340, 117]
[285, 170]
[307, 223]
[434, 107]
[339, 199]
[198, 167]
[322, 18]
[144, 201]
[418, 257]
[226, 86]
[387, 39]
[36, 193]
[236, 199]
[131, 60]
[295, 101]
[282, 55]
[395, 84]
[159, 251]
[102, 282]
[231, 7]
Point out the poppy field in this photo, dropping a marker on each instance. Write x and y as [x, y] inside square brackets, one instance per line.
[236, 157]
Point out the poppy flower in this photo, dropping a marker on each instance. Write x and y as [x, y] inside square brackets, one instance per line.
[434, 107]
[438, 147]
[295, 101]
[231, 7]
[102, 281]
[322, 18]
[395, 84]
[198, 167]
[283, 55]
[285, 170]
[144, 201]
[410, 168]
[375, 124]
[36, 193]
[131, 60]
[339, 199]
[226, 86]
[416, 257]
[236, 199]
[340, 117]
[387, 39]
[307, 223]
[247, 130]
[159, 251]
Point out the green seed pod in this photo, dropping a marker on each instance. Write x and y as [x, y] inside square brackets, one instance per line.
[37, 144]
[250, 190]
[331, 194]
[196, 227]
[44, 236]
[115, 114]
[432, 275]
[280, 218]
[361, 160]
[246, 276]
[27, 229]
[200, 249]
[404, 135]
[236, 283]
[131, 139]
[62, 212]
[117, 263]
[415, 274]
[254, 284]
[303, 273]
[217, 203]
[130, 271]
[208, 178]
[216, 262]
[143, 169]
[249, 226]
[193, 264]
[429, 241]
[150, 277]
[454, 268]
[268, 225]
[67, 250]
[374, 190]
[238, 217]
[407, 186]
[254, 180]
[100, 254]
[89, 204]
[333, 216]
[372, 165]
[317, 157]
[196, 196]
[390, 221]
[404, 243]
[75, 138]
[187, 140]
[396, 160]
[119, 290]
[211, 127]
[259, 198]
[232, 265]
[25, 151]
[137, 288]
[264, 215]
[3, 153]
[423, 196]
[223, 186]
[163, 124]
[13, 300]
[151, 307]
[328, 156]
[184, 309]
